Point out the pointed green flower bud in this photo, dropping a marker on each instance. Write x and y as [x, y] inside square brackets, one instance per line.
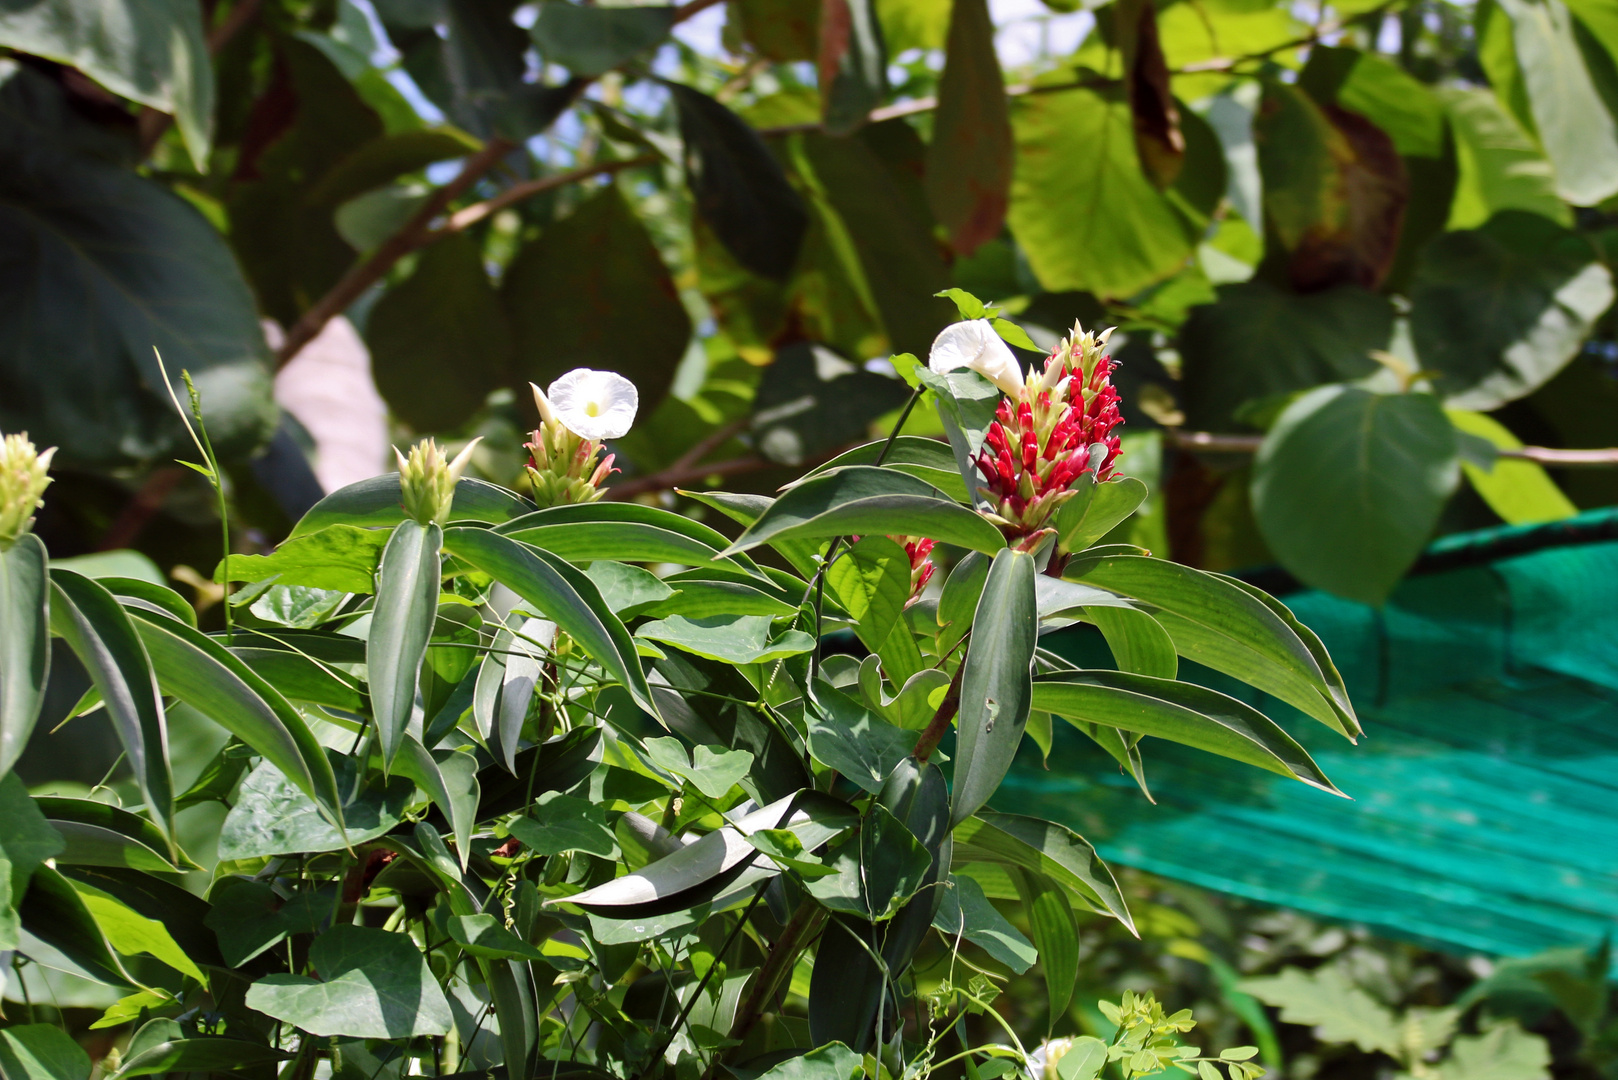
[23, 480]
[427, 480]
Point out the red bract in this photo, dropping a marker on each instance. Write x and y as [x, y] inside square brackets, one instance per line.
[1045, 440]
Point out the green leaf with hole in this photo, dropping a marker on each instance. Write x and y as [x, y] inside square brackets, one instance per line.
[995, 687]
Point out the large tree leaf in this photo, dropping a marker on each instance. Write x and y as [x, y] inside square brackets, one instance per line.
[99, 267]
[372, 984]
[567, 293]
[1575, 126]
[401, 624]
[852, 65]
[970, 157]
[590, 40]
[562, 594]
[272, 817]
[781, 30]
[1497, 311]
[865, 499]
[1044, 847]
[153, 53]
[1233, 628]
[1334, 189]
[740, 191]
[1159, 142]
[1082, 210]
[1500, 167]
[1348, 486]
[1258, 341]
[205, 675]
[995, 686]
[25, 643]
[1180, 712]
[810, 400]
[105, 640]
[439, 340]
[1520, 491]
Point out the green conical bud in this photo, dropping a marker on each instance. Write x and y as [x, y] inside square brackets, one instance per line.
[427, 480]
[23, 480]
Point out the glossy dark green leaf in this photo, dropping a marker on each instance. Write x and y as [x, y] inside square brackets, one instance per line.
[1259, 341]
[958, 603]
[25, 643]
[105, 640]
[204, 1054]
[562, 594]
[739, 188]
[1181, 712]
[847, 988]
[1044, 847]
[1095, 509]
[626, 589]
[746, 509]
[853, 64]
[555, 765]
[567, 291]
[300, 677]
[1225, 628]
[59, 932]
[485, 936]
[969, 161]
[593, 40]
[854, 741]
[863, 499]
[401, 624]
[376, 504]
[627, 531]
[1055, 932]
[698, 598]
[1348, 486]
[272, 817]
[1497, 311]
[995, 687]
[558, 823]
[202, 673]
[41, 1052]
[439, 339]
[371, 984]
[26, 838]
[98, 834]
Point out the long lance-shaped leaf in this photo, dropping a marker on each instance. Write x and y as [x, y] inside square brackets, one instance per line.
[25, 643]
[104, 638]
[995, 685]
[865, 499]
[628, 532]
[450, 779]
[1180, 712]
[744, 510]
[564, 595]
[205, 675]
[702, 869]
[1224, 627]
[377, 503]
[59, 931]
[1044, 846]
[401, 625]
[1055, 932]
[1311, 641]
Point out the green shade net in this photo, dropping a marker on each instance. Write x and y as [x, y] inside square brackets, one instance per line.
[1485, 792]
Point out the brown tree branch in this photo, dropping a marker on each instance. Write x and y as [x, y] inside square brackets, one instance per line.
[1208, 442]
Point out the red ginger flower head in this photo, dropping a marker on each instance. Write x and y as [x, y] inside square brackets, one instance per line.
[1044, 439]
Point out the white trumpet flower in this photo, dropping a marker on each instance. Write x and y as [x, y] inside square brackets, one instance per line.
[593, 404]
[975, 345]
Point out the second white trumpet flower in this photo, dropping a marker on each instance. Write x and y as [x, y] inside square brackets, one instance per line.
[975, 345]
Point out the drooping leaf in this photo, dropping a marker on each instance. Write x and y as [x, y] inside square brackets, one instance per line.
[273, 817]
[740, 191]
[590, 40]
[863, 499]
[925, 459]
[154, 54]
[25, 643]
[567, 291]
[439, 340]
[969, 160]
[1082, 210]
[102, 266]
[1156, 118]
[1348, 486]
[852, 65]
[105, 640]
[563, 595]
[449, 777]
[995, 689]
[402, 622]
[1497, 311]
[181, 913]
[132, 934]
[1055, 932]
[372, 984]
[60, 933]
[97, 834]
[1181, 712]
[1138, 642]
[376, 504]
[1044, 847]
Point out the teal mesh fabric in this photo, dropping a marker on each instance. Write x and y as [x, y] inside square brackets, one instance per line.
[1484, 812]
